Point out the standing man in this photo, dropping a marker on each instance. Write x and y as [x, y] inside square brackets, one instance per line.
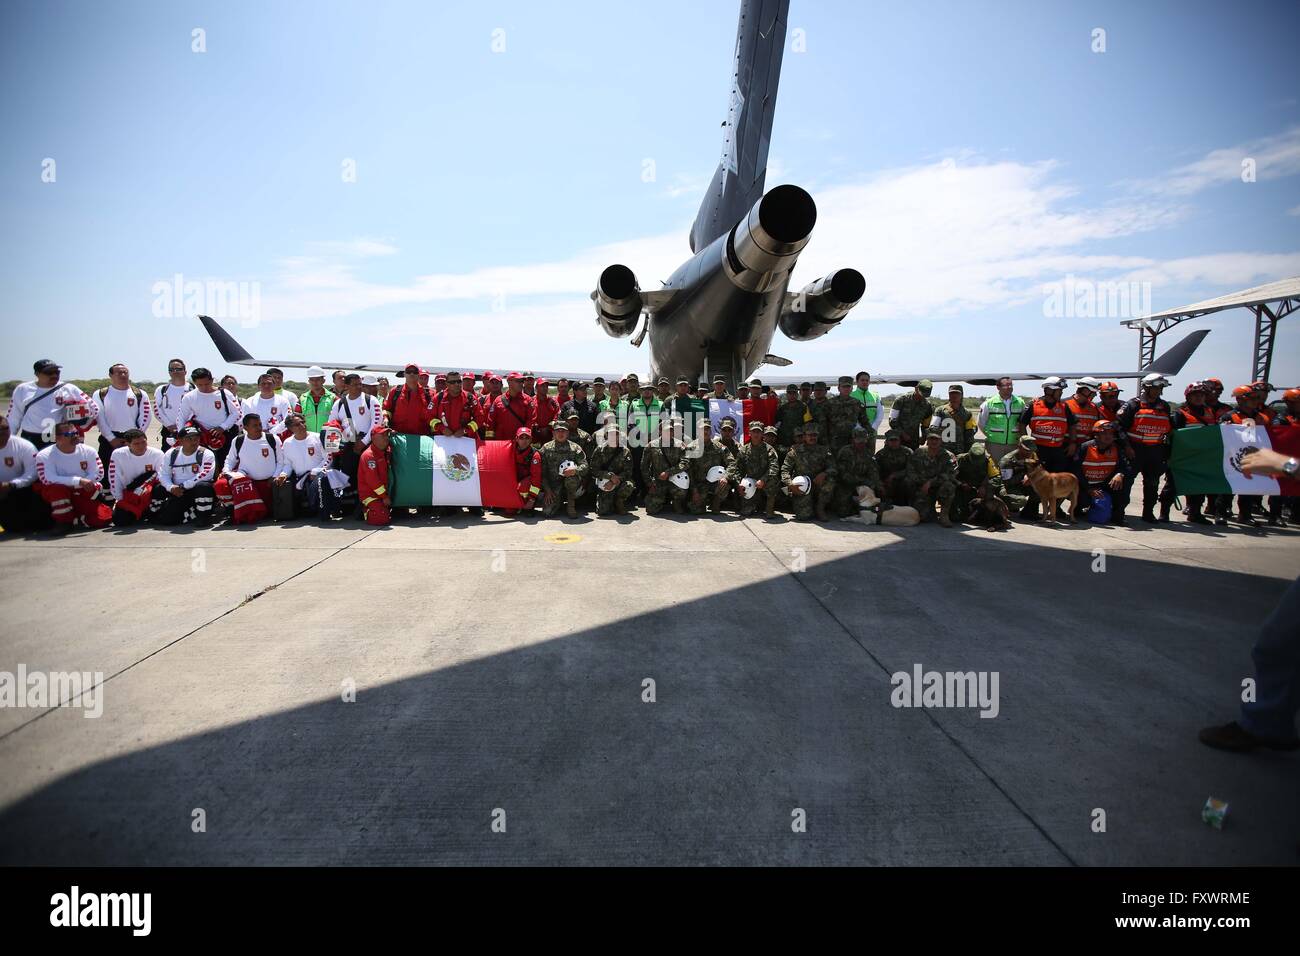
[21, 508]
[842, 415]
[684, 405]
[455, 411]
[187, 476]
[167, 401]
[932, 479]
[511, 411]
[70, 475]
[277, 386]
[1110, 406]
[1195, 412]
[120, 406]
[409, 408]
[214, 410]
[871, 402]
[272, 407]
[911, 413]
[955, 423]
[580, 405]
[36, 409]
[759, 460]
[598, 390]
[1149, 423]
[545, 411]
[790, 419]
[999, 420]
[317, 402]
[720, 389]
[813, 461]
[817, 408]
[642, 430]
[1050, 423]
[1085, 412]
[359, 414]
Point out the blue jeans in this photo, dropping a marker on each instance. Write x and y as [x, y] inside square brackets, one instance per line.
[1277, 672]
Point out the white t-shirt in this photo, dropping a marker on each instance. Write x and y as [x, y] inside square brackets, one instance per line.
[257, 458]
[54, 467]
[167, 402]
[124, 467]
[18, 462]
[120, 409]
[301, 457]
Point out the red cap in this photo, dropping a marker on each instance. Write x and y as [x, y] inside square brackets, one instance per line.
[411, 365]
[541, 381]
[380, 430]
[524, 431]
[514, 377]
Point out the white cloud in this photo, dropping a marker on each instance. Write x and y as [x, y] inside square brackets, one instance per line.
[1274, 158]
[1293, 211]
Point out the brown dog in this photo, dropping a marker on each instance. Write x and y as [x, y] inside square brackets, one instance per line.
[992, 512]
[1053, 487]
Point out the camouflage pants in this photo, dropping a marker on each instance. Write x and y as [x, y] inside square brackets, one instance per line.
[803, 505]
[942, 491]
[658, 494]
[606, 500]
[570, 489]
[747, 506]
[702, 496]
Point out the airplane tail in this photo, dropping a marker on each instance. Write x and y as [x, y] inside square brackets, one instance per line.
[747, 130]
[1172, 361]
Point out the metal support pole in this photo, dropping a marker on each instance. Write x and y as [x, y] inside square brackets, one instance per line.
[1265, 334]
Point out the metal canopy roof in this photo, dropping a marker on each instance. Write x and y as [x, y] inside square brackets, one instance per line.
[1269, 292]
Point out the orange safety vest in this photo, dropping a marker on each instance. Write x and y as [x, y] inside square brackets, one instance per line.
[1191, 418]
[1151, 424]
[1260, 415]
[1099, 465]
[1085, 416]
[1048, 425]
[1109, 414]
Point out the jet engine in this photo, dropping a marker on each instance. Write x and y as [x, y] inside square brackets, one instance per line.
[819, 307]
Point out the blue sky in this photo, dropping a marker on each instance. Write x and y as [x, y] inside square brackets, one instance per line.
[964, 156]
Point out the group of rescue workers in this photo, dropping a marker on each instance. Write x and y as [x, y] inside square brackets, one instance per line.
[605, 445]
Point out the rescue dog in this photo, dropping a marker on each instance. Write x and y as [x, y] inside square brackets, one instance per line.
[1053, 487]
[891, 516]
[992, 510]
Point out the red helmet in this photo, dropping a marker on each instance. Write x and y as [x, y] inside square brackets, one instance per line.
[1194, 387]
[1111, 388]
[1243, 391]
[1103, 425]
[1214, 385]
[1291, 395]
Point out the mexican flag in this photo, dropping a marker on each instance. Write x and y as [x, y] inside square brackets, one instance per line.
[452, 471]
[1207, 460]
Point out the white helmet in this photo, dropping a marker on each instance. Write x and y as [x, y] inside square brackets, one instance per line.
[606, 483]
[1054, 381]
[748, 487]
[566, 465]
[803, 483]
[1155, 380]
[1089, 382]
[716, 473]
[682, 480]
[315, 372]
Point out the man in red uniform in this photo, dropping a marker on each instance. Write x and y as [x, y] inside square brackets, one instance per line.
[455, 411]
[408, 409]
[372, 479]
[1277, 502]
[511, 411]
[491, 389]
[528, 472]
[545, 411]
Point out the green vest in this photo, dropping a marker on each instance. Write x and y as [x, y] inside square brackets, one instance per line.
[1002, 425]
[869, 399]
[316, 414]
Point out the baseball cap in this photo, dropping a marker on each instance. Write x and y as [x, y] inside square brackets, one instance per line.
[45, 365]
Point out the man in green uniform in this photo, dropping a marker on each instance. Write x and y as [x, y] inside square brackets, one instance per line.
[977, 477]
[702, 455]
[855, 466]
[955, 423]
[811, 460]
[932, 479]
[659, 463]
[911, 413]
[1017, 492]
[611, 463]
[555, 484]
[790, 417]
[841, 415]
[757, 460]
[892, 464]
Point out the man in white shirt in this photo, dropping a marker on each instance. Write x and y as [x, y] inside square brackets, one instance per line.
[245, 482]
[270, 407]
[21, 508]
[358, 414]
[303, 468]
[119, 407]
[187, 474]
[277, 378]
[133, 473]
[38, 407]
[167, 401]
[214, 410]
[69, 475]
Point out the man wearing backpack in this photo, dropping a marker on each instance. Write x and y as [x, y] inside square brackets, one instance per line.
[167, 401]
[39, 406]
[245, 483]
[120, 407]
[213, 410]
[186, 475]
[133, 472]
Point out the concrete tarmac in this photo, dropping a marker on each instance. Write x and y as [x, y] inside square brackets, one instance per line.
[500, 671]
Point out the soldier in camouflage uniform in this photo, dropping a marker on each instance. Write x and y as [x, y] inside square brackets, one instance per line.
[855, 466]
[612, 459]
[813, 460]
[587, 442]
[956, 423]
[932, 479]
[892, 463]
[727, 425]
[841, 414]
[658, 464]
[556, 486]
[977, 477]
[1017, 492]
[701, 455]
[758, 460]
[911, 413]
[790, 416]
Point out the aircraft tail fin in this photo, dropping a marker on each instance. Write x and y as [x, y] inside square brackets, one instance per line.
[1171, 362]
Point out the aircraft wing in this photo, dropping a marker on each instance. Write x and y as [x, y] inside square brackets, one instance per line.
[1170, 362]
[234, 353]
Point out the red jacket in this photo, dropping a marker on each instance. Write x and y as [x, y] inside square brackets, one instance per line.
[454, 413]
[528, 472]
[545, 411]
[509, 415]
[372, 476]
[410, 411]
